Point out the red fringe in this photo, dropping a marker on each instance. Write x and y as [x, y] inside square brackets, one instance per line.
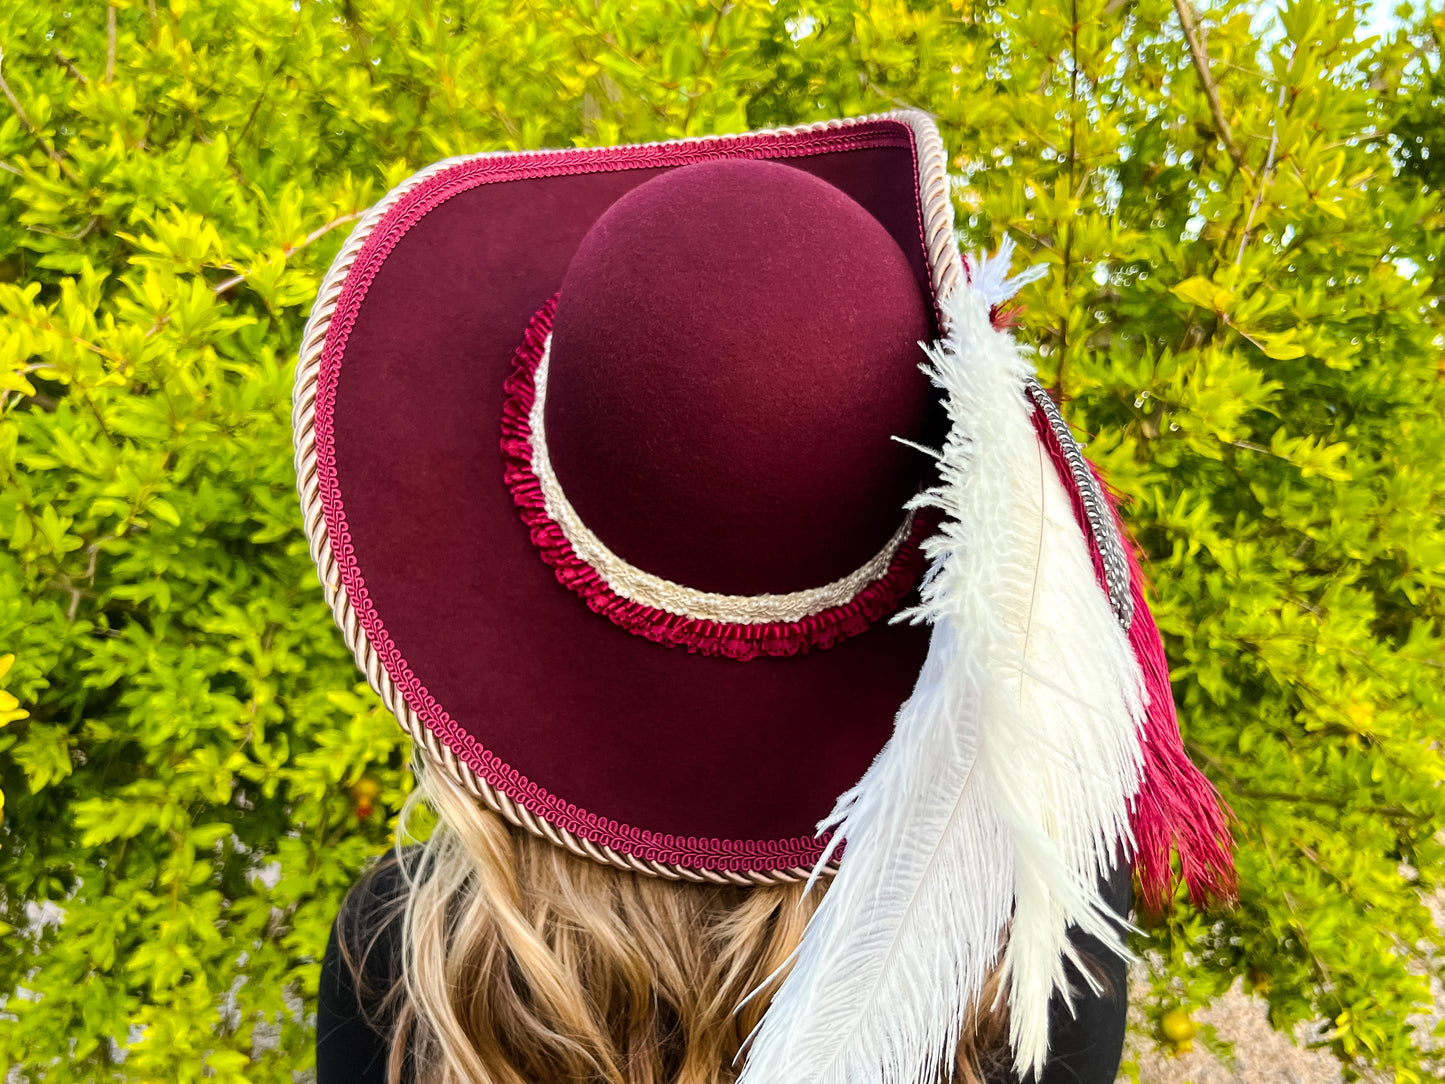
[1177, 808]
[727, 640]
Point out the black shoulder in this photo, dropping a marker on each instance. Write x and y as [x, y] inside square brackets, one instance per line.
[368, 925]
[362, 964]
[1088, 1043]
[1085, 1045]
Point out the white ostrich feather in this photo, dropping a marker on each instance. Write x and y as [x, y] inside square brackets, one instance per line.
[1003, 795]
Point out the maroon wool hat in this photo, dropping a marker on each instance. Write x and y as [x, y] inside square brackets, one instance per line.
[737, 324]
[610, 459]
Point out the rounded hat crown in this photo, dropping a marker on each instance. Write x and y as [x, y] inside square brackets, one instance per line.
[735, 344]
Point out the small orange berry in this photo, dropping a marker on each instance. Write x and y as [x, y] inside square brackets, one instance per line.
[1177, 1026]
[365, 788]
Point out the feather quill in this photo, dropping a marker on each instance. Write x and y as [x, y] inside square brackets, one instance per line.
[981, 829]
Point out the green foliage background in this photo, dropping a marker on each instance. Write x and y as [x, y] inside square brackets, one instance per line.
[1243, 317]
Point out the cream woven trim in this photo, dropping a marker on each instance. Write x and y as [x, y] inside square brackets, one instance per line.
[945, 266]
[642, 587]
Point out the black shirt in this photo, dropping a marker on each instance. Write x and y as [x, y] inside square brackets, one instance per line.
[351, 1049]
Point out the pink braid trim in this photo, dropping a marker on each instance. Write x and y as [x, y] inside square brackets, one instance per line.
[1177, 808]
[705, 637]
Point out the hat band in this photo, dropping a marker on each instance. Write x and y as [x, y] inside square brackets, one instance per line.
[735, 626]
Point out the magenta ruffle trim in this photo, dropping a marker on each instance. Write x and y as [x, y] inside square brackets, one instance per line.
[727, 640]
[1177, 808]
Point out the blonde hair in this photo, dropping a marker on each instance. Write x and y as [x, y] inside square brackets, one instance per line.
[524, 964]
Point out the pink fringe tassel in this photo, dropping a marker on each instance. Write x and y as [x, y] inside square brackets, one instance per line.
[1177, 808]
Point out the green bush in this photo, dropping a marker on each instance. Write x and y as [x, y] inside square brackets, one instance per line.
[1243, 317]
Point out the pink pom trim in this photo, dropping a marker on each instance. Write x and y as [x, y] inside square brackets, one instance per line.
[1177, 808]
[702, 636]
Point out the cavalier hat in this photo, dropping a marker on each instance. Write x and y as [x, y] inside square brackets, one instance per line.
[692, 505]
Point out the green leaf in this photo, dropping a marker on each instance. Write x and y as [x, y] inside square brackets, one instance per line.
[1203, 293]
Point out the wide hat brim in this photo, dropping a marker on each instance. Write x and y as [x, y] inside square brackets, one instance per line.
[636, 754]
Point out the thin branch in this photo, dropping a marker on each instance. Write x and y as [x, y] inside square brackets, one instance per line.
[251, 117]
[1325, 976]
[69, 65]
[1268, 170]
[1250, 446]
[311, 238]
[75, 236]
[1206, 80]
[35, 132]
[720, 10]
[897, 102]
[281, 65]
[1397, 812]
[84, 343]
[1060, 374]
[76, 592]
[110, 43]
[1043, 243]
[100, 421]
